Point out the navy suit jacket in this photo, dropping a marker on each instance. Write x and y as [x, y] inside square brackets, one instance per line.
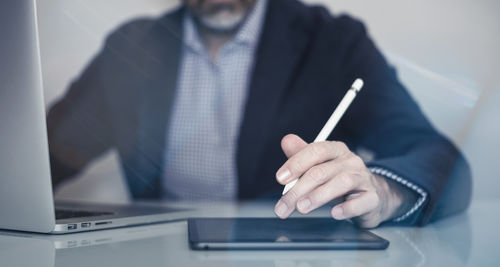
[305, 62]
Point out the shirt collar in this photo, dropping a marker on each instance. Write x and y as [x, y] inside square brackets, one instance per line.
[248, 33]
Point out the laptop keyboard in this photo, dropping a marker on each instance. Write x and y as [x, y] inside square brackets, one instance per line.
[68, 214]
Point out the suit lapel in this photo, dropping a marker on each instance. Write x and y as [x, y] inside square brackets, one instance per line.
[282, 45]
[162, 50]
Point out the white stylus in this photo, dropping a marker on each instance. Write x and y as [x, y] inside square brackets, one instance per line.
[333, 120]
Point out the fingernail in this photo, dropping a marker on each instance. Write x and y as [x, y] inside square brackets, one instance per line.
[303, 205]
[337, 212]
[281, 209]
[283, 175]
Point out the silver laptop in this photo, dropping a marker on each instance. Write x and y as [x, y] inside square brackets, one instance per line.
[26, 199]
[102, 248]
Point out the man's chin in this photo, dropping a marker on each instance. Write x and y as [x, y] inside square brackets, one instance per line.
[222, 23]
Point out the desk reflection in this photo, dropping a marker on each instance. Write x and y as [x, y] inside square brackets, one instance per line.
[446, 242]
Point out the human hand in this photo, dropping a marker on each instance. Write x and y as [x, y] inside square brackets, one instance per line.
[329, 170]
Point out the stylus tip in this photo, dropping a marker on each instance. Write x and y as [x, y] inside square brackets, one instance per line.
[357, 85]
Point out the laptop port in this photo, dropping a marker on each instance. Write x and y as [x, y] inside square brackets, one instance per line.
[72, 226]
[85, 224]
[102, 223]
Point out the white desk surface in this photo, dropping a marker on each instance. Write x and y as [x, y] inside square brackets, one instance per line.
[469, 239]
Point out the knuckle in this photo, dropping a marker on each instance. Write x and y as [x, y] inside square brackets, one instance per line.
[318, 150]
[295, 166]
[319, 197]
[345, 180]
[341, 146]
[356, 160]
[317, 175]
[290, 197]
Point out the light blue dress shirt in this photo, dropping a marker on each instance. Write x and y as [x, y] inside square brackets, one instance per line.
[200, 157]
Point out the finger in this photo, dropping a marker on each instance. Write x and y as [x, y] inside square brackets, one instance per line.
[313, 154]
[341, 184]
[368, 220]
[355, 207]
[292, 144]
[313, 178]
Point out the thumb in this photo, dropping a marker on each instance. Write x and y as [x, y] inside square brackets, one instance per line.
[292, 144]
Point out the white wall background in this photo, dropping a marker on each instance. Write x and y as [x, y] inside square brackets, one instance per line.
[447, 53]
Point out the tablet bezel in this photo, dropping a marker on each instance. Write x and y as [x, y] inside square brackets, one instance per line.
[196, 243]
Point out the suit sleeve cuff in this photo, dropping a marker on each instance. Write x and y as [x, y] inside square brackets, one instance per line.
[422, 194]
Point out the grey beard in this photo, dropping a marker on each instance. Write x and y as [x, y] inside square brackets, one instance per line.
[222, 23]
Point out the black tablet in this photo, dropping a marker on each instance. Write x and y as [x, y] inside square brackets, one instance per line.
[277, 234]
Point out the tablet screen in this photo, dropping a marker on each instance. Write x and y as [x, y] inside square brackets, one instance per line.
[206, 233]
